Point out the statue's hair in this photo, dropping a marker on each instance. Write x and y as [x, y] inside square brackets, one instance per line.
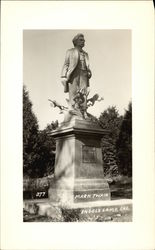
[76, 38]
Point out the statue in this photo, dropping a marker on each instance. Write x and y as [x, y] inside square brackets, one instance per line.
[78, 160]
[75, 72]
[75, 78]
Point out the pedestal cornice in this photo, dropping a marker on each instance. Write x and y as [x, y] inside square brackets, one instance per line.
[78, 126]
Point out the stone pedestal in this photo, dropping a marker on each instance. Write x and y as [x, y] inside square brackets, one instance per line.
[78, 166]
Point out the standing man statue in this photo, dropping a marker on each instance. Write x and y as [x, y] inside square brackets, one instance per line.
[75, 72]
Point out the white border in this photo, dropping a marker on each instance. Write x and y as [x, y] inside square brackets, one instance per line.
[137, 16]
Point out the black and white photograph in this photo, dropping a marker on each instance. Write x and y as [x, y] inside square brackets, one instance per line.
[77, 125]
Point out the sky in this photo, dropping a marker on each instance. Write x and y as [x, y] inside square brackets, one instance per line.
[110, 62]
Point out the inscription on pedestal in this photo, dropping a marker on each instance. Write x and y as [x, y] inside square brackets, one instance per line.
[89, 154]
[81, 196]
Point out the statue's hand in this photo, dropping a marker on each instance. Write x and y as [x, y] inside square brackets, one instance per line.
[89, 74]
[64, 81]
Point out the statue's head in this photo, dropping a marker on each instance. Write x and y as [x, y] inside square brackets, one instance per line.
[78, 40]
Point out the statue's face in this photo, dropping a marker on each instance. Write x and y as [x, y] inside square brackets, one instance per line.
[80, 42]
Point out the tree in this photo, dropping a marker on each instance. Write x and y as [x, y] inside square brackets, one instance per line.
[46, 150]
[110, 120]
[30, 135]
[45, 155]
[124, 143]
[38, 146]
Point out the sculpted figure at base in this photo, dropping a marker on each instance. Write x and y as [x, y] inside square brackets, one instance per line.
[75, 72]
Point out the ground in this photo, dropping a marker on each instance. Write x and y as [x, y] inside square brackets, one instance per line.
[127, 217]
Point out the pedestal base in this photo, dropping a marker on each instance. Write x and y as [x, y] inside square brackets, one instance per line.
[78, 166]
[85, 190]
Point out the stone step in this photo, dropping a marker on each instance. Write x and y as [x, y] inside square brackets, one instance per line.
[103, 203]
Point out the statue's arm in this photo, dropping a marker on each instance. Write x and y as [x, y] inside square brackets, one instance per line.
[65, 66]
[64, 79]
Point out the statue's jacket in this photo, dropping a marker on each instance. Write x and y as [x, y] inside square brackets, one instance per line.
[71, 61]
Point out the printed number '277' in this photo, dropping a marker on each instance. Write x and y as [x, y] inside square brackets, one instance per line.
[40, 194]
